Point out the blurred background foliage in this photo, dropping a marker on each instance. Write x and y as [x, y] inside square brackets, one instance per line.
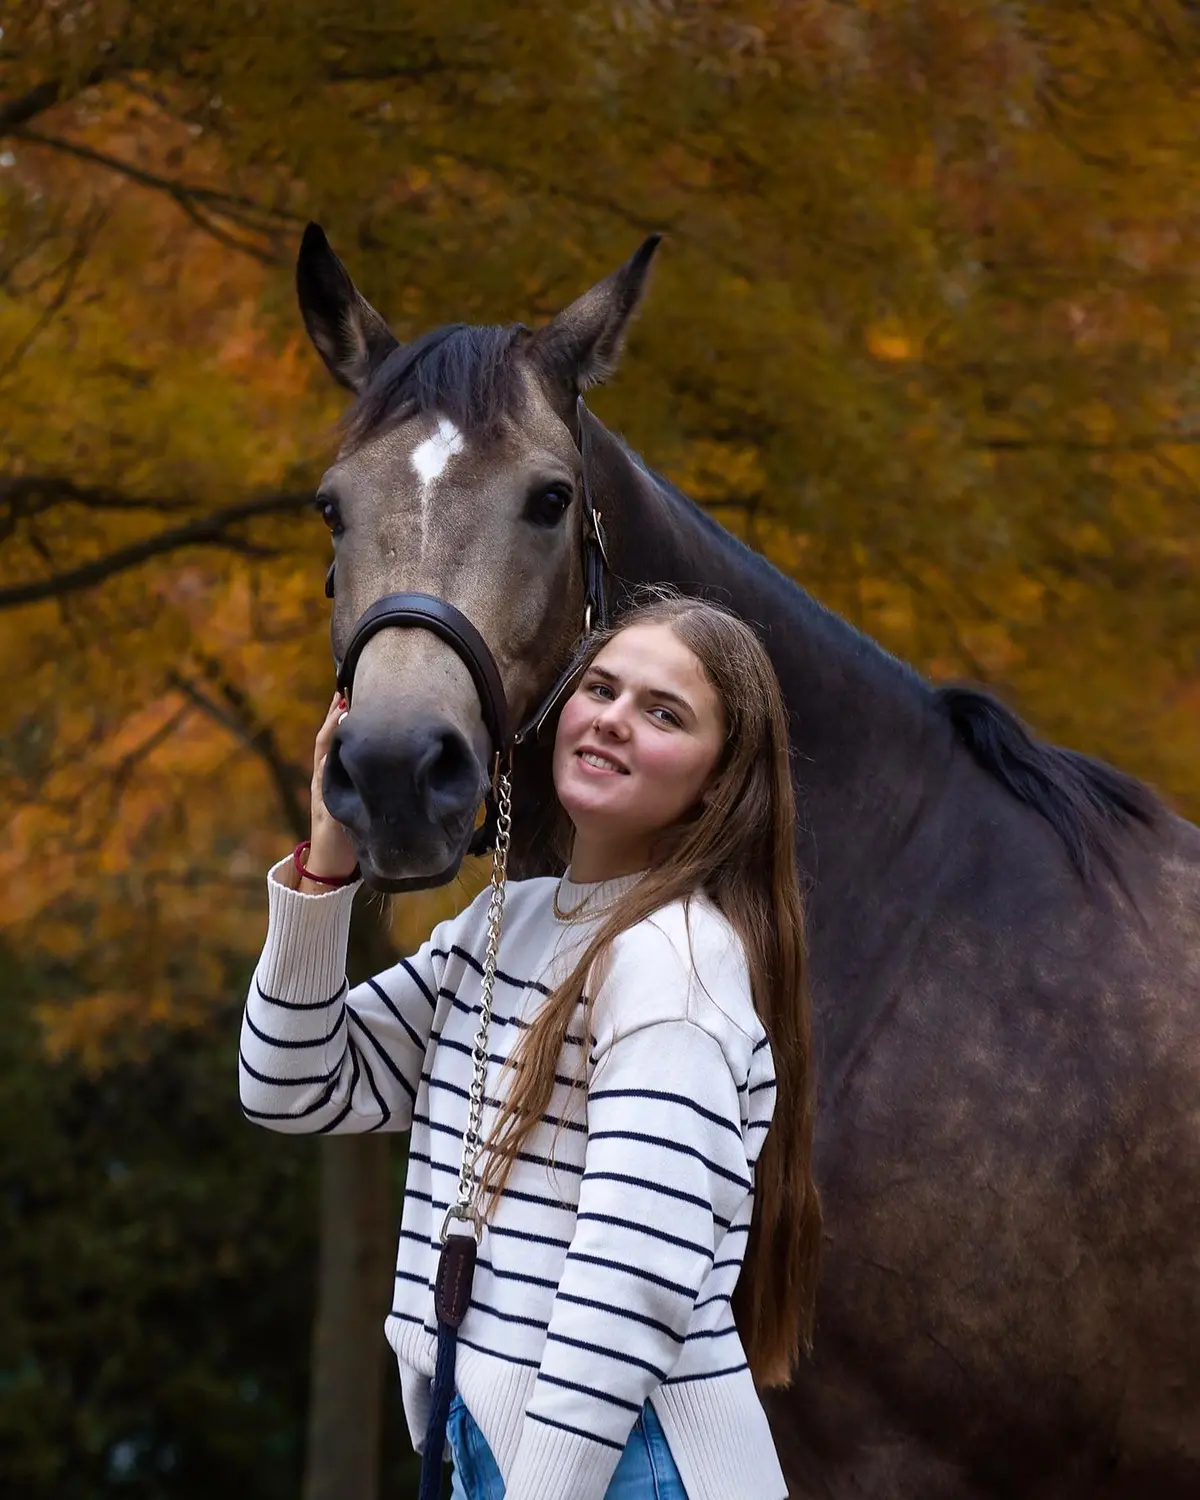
[924, 331]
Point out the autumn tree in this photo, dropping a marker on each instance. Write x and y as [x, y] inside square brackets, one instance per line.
[924, 332]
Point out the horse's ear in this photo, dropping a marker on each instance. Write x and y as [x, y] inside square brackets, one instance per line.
[349, 334]
[581, 346]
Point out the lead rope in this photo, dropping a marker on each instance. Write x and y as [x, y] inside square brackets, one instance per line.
[456, 1264]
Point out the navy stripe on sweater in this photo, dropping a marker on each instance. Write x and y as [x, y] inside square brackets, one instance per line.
[587, 1390]
[666, 1145]
[575, 1432]
[293, 1114]
[413, 1035]
[349, 1105]
[660, 1189]
[385, 1055]
[617, 1354]
[290, 1043]
[300, 1004]
[287, 1083]
[706, 1114]
[419, 982]
[469, 958]
[436, 1039]
[647, 1229]
[385, 1112]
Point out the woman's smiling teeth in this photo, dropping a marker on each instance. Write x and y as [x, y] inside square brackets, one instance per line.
[600, 762]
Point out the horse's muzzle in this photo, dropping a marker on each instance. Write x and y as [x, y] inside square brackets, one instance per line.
[407, 796]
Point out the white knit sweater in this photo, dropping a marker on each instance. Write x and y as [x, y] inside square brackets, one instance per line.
[604, 1277]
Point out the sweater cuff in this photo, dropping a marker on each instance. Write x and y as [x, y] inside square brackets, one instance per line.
[554, 1464]
[304, 959]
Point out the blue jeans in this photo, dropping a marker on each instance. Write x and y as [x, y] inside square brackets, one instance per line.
[645, 1471]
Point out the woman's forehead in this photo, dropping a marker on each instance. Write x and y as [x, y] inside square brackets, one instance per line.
[652, 654]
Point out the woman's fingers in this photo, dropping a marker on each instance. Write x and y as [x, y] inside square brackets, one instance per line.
[325, 734]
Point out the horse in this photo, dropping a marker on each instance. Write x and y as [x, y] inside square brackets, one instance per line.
[1004, 934]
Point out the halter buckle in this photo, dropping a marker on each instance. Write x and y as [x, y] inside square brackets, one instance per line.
[598, 533]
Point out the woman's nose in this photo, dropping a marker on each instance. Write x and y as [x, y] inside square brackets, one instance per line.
[612, 718]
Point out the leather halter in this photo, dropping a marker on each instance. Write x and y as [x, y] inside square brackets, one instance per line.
[427, 612]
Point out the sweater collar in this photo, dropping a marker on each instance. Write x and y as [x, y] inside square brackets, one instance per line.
[581, 901]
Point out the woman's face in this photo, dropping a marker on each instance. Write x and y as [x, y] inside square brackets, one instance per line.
[637, 744]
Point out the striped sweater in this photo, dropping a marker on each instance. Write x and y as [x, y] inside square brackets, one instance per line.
[605, 1273]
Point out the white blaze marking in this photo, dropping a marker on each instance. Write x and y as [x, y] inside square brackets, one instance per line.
[430, 458]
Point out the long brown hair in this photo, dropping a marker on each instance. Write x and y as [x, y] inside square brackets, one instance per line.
[738, 848]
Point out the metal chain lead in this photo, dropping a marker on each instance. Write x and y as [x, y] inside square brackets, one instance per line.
[466, 1208]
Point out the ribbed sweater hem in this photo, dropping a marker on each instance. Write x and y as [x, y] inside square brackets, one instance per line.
[720, 1439]
[555, 1465]
[715, 1427]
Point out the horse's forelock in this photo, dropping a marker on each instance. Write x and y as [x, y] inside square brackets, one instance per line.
[465, 372]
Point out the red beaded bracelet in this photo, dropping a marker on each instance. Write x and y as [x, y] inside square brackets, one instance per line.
[335, 881]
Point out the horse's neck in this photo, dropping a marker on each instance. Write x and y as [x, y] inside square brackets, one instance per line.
[867, 739]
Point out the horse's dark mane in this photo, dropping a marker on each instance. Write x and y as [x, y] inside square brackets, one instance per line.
[1085, 801]
[465, 371]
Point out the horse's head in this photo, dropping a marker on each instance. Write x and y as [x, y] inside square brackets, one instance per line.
[460, 478]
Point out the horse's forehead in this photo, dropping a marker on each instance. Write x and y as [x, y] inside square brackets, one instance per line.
[430, 454]
[409, 458]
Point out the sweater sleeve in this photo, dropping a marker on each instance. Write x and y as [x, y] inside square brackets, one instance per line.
[315, 1056]
[665, 1172]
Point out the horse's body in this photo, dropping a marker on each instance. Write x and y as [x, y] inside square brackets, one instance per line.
[1005, 945]
[1009, 1121]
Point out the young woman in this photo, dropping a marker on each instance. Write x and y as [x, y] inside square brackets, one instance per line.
[649, 1255]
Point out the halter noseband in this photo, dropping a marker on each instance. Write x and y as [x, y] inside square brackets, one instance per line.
[427, 612]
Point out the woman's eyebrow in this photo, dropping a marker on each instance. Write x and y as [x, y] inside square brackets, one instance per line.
[664, 695]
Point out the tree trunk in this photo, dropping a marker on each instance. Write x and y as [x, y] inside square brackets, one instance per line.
[354, 1287]
[345, 1416]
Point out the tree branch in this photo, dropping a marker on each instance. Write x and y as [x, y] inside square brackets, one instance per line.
[29, 494]
[1149, 442]
[236, 715]
[212, 530]
[196, 200]
[93, 220]
[200, 204]
[14, 113]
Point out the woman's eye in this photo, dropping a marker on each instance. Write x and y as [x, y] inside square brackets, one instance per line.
[599, 689]
[665, 716]
[548, 507]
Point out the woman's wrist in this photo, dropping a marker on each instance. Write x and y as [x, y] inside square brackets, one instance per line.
[321, 871]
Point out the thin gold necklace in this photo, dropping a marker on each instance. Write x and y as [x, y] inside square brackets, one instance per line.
[572, 914]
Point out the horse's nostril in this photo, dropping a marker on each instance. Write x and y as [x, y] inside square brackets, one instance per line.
[445, 774]
[336, 774]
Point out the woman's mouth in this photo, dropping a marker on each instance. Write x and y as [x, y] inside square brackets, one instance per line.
[600, 762]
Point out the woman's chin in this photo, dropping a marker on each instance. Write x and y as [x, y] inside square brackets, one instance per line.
[587, 788]
[590, 805]
[583, 809]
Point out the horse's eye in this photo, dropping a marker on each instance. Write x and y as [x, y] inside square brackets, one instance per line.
[547, 507]
[329, 513]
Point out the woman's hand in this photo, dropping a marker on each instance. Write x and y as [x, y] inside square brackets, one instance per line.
[330, 852]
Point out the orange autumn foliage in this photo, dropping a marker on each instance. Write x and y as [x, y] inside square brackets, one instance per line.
[923, 332]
